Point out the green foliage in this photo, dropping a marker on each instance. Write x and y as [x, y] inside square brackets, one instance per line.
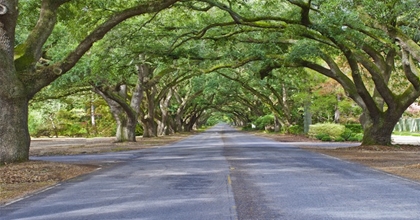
[353, 132]
[295, 129]
[356, 137]
[38, 125]
[304, 50]
[323, 137]
[217, 118]
[336, 132]
[70, 123]
[340, 139]
[247, 127]
[354, 128]
[320, 131]
[105, 123]
[347, 134]
[350, 112]
[182, 43]
[60, 123]
[264, 121]
[323, 107]
[139, 130]
[70, 116]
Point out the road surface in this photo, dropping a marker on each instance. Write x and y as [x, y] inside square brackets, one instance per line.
[223, 174]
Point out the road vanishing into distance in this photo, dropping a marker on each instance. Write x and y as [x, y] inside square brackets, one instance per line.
[222, 174]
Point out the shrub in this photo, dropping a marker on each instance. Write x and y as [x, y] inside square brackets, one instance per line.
[347, 134]
[247, 127]
[332, 130]
[356, 137]
[322, 136]
[295, 129]
[262, 122]
[354, 128]
[340, 139]
[326, 138]
[139, 130]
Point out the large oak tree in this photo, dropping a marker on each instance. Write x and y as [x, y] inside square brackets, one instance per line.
[22, 76]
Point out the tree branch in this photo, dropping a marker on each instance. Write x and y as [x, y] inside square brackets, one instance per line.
[59, 96]
[381, 84]
[45, 75]
[410, 70]
[28, 53]
[100, 31]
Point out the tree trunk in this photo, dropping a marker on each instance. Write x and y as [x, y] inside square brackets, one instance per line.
[149, 127]
[164, 127]
[126, 128]
[377, 130]
[337, 112]
[178, 122]
[92, 115]
[276, 123]
[126, 124]
[307, 116]
[189, 126]
[14, 133]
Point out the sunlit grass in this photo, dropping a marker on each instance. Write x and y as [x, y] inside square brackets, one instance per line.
[406, 133]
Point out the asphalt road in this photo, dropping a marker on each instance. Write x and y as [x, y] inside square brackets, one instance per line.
[223, 174]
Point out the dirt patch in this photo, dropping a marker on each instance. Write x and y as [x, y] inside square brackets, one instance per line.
[293, 138]
[18, 180]
[402, 160]
[286, 137]
[74, 146]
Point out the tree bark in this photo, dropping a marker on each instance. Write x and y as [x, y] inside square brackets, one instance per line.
[164, 126]
[150, 128]
[14, 133]
[377, 129]
[307, 114]
[126, 122]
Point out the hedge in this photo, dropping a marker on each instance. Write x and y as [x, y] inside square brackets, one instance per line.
[323, 131]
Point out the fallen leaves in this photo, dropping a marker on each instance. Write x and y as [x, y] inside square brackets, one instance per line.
[23, 178]
[38, 171]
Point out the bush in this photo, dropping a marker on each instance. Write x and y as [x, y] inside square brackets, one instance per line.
[247, 127]
[139, 130]
[356, 137]
[326, 138]
[351, 135]
[340, 139]
[262, 122]
[354, 128]
[347, 134]
[322, 136]
[41, 131]
[72, 130]
[322, 131]
[295, 129]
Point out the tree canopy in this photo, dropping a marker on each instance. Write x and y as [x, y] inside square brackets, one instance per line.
[170, 65]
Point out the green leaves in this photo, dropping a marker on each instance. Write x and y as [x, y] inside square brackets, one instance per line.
[242, 41]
